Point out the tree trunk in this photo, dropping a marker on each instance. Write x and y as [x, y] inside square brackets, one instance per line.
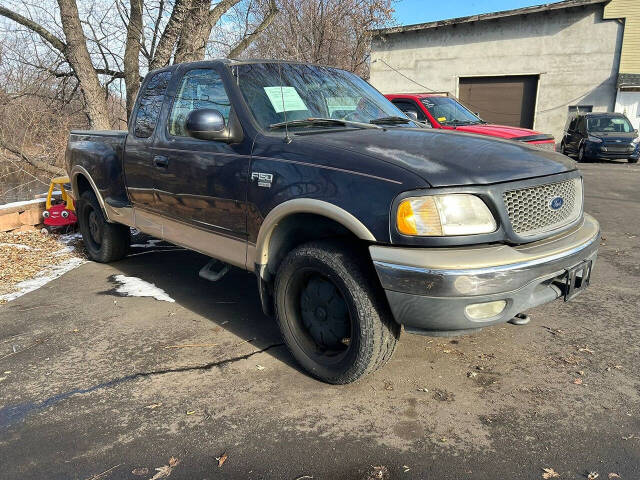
[77, 54]
[197, 29]
[195, 33]
[132, 54]
[162, 55]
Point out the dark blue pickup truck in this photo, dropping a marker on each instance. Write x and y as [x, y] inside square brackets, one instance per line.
[355, 219]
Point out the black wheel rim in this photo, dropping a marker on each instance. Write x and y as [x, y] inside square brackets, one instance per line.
[320, 319]
[93, 221]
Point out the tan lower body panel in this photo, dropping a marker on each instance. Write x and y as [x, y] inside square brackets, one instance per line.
[221, 247]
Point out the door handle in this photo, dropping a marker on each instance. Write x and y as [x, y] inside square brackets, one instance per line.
[160, 161]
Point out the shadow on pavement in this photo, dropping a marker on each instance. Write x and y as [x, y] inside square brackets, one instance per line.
[231, 303]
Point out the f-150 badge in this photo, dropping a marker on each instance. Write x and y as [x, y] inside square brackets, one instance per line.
[264, 179]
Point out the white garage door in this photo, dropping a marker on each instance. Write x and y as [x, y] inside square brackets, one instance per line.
[629, 104]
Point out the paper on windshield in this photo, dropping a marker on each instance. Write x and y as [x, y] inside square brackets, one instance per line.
[285, 98]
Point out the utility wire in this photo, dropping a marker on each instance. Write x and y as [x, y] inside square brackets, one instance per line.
[505, 113]
[400, 73]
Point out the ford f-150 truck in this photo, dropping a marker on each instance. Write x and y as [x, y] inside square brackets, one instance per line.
[441, 111]
[355, 220]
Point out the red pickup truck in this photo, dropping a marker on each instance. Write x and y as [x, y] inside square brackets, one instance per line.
[440, 111]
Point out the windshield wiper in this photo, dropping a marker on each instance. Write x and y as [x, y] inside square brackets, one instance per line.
[460, 122]
[393, 119]
[320, 121]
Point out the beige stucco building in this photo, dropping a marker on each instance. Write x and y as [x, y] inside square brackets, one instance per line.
[527, 67]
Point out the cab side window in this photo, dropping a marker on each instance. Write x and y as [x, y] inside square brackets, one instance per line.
[151, 98]
[199, 88]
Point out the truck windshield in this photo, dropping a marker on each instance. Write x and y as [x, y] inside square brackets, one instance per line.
[279, 92]
[447, 111]
[613, 124]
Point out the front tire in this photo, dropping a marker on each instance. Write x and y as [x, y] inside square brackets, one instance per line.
[581, 154]
[632, 160]
[563, 149]
[332, 313]
[105, 242]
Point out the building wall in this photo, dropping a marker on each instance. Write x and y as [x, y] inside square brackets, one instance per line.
[574, 51]
[630, 11]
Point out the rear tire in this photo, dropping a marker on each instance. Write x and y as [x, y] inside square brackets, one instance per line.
[105, 242]
[332, 313]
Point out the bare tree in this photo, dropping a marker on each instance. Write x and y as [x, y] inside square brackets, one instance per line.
[187, 31]
[74, 49]
[330, 32]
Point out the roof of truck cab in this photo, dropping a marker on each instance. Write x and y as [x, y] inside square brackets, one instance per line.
[234, 61]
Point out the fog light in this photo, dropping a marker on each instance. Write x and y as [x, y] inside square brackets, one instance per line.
[479, 311]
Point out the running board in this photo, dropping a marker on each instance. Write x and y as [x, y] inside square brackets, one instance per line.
[214, 270]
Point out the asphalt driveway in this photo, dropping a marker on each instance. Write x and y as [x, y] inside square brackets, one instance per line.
[95, 385]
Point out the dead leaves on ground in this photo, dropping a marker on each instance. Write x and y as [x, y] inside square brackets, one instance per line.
[221, 459]
[26, 254]
[550, 473]
[379, 472]
[165, 470]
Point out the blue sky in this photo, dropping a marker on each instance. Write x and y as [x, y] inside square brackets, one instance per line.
[419, 11]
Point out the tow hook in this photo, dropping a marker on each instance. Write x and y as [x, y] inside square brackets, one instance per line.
[520, 319]
[214, 270]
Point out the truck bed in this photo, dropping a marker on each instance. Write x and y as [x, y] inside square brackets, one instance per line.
[99, 152]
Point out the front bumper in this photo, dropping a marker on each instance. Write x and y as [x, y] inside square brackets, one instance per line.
[428, 289]
[607, 152]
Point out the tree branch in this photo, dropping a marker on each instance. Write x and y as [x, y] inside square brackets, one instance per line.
[34, 27]
[32, 161]
[248, 39]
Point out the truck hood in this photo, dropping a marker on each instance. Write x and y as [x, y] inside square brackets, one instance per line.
[501, 131]
[446, 158]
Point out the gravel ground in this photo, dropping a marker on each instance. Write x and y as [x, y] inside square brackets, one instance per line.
[94, 385]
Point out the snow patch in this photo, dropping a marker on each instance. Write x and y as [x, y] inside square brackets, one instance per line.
[19, 246]
[44, 277]
[69, 237]
[136, 287]
[22, 203]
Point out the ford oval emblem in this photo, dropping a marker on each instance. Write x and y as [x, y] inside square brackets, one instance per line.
[556, 203]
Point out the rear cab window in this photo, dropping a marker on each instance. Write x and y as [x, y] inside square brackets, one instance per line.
[150, 104]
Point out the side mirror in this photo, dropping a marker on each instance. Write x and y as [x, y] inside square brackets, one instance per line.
[207, 124]
[412, 115]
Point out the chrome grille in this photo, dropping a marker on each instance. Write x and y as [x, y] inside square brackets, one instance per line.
[530, 210]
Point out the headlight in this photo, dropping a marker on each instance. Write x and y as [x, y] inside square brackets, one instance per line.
[440, 215]
[594, 139]
[635, 141]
